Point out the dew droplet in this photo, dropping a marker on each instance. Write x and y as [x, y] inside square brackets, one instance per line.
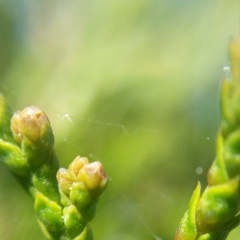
[227, 72]
[199, 170]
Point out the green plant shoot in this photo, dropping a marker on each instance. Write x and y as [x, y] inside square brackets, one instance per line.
[212, 215]
[64, 199]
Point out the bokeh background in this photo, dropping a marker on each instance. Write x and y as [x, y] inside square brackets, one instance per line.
[134, 84]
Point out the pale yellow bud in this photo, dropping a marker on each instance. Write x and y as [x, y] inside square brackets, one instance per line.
[31, 123]
[93, 175]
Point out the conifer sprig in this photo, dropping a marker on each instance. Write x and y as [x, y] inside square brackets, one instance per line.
[64, 199]
[215, 213]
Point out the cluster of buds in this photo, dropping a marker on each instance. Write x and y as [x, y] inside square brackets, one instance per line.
[82, 184]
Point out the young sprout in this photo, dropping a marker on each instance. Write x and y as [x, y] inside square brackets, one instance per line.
[212, 215]
[65, 200]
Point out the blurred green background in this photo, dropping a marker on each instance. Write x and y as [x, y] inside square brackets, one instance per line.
[134, 84]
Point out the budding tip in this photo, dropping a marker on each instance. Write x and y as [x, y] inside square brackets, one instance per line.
[94, 176]
[32, 123]
[91, 175]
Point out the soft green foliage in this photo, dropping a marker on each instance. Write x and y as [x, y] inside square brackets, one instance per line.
[139, 81]
[64, 200]
[215, 213]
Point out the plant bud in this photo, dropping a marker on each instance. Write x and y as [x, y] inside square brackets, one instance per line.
[82, 183]
[33, 124]
[93, 176]
[32, 130]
